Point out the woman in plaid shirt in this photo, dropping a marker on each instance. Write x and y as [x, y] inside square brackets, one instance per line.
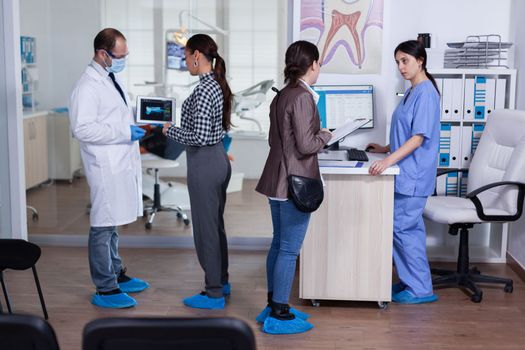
[205, 119]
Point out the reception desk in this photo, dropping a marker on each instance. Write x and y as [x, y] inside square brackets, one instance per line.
[347, 252]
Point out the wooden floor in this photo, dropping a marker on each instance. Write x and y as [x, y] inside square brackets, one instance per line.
[62, 210]
[451, 323]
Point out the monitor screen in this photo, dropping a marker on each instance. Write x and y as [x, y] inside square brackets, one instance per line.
[339, 103]
[175, 56]
[155, 110]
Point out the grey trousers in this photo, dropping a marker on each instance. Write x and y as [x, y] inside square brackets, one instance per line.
[209, 173]
[104, 261]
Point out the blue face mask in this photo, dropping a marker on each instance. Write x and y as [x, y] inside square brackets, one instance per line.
[117, 65]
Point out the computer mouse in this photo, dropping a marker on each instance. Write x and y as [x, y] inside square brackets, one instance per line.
[369, 148]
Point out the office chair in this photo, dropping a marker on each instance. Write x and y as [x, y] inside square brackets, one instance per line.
[168, 150]
[495, 193]
[26, 332]
[17, 254]
[168, 333]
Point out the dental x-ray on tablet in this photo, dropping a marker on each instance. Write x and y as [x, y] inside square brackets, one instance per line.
[155, 110]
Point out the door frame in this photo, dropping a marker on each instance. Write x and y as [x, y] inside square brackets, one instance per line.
[10, 30]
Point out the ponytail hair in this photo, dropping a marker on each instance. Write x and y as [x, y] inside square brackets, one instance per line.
[298, 59]
[416, 49]
[207, 46]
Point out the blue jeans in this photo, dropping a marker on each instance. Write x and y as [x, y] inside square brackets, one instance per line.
[104, 262]
[289, 229]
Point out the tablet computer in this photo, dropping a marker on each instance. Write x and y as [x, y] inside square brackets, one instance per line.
[155, 110]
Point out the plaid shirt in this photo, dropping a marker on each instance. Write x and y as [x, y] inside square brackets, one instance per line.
[201, 121]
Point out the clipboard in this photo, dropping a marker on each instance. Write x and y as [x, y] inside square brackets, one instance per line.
[347, 128]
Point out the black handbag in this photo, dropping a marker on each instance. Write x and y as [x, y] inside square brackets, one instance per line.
[306, 193]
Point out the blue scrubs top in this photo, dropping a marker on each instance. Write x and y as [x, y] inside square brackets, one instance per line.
[417, 114]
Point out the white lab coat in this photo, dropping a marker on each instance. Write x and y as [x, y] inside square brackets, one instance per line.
[100, 121]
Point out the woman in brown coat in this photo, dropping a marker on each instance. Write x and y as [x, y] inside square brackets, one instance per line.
[295, 138]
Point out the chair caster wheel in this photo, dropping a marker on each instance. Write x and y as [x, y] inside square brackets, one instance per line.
[34, 217]
[383, 305]
[508, 288]
[475, 271]
[179, 215]
[476, 298]
[315, 303]
[186, 222]
[148, 225]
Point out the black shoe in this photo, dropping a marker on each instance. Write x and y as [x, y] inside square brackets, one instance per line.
[121, 278]
[281, 311]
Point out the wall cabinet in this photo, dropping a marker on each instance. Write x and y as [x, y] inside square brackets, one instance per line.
[35, 149]
[64, 150]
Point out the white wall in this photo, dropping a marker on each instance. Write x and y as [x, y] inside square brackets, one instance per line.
[64, 30]
[516, 247]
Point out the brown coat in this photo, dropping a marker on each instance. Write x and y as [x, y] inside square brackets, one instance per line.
[300, 126]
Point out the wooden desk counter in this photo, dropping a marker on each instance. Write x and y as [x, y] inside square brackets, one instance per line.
[347, 252]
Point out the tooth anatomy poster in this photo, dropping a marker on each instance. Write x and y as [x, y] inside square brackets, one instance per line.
[348, 34]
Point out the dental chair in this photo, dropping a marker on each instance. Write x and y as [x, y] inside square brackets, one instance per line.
[163, 152]
[249, 99]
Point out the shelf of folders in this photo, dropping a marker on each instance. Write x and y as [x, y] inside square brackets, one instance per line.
[29, 71]
[478, 51]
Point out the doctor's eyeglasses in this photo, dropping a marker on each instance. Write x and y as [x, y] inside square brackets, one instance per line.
[110, 54]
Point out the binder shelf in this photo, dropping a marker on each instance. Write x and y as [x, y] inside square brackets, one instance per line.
[468, 98]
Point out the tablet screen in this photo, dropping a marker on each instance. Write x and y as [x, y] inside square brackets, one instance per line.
[155, 110]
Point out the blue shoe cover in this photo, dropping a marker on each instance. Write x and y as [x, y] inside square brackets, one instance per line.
[226, 289]
[200, 301]
[263, 315]
[405, 297]
[274, 326]
[398, 287]
[113, 301]
[134, 285]
[266, 312]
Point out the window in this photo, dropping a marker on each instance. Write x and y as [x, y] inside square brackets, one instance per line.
[250, 48]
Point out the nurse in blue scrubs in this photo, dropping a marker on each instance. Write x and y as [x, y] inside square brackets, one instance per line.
[414, 141]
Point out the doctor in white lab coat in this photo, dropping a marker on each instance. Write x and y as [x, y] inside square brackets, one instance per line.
[102, 121]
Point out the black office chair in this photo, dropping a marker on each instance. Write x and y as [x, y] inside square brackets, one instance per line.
[168, 333]
[26, 332]
[17, 254]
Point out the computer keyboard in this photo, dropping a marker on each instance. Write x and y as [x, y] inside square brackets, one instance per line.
[357, 155]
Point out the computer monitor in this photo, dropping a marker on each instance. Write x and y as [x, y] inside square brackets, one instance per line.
[339, 103]
[175, 58]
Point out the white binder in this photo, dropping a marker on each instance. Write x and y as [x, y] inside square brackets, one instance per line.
[447, 184]
[477, 130]
[466, 146]
[468, 111]
[490, 96]
[449, 146]
[501, 92]
[463, 184]
[480, 94]
[446, 98]
[457, 99]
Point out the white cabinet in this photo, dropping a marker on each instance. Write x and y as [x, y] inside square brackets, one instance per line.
[468, 98]
[35, 149]
[64, 150]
